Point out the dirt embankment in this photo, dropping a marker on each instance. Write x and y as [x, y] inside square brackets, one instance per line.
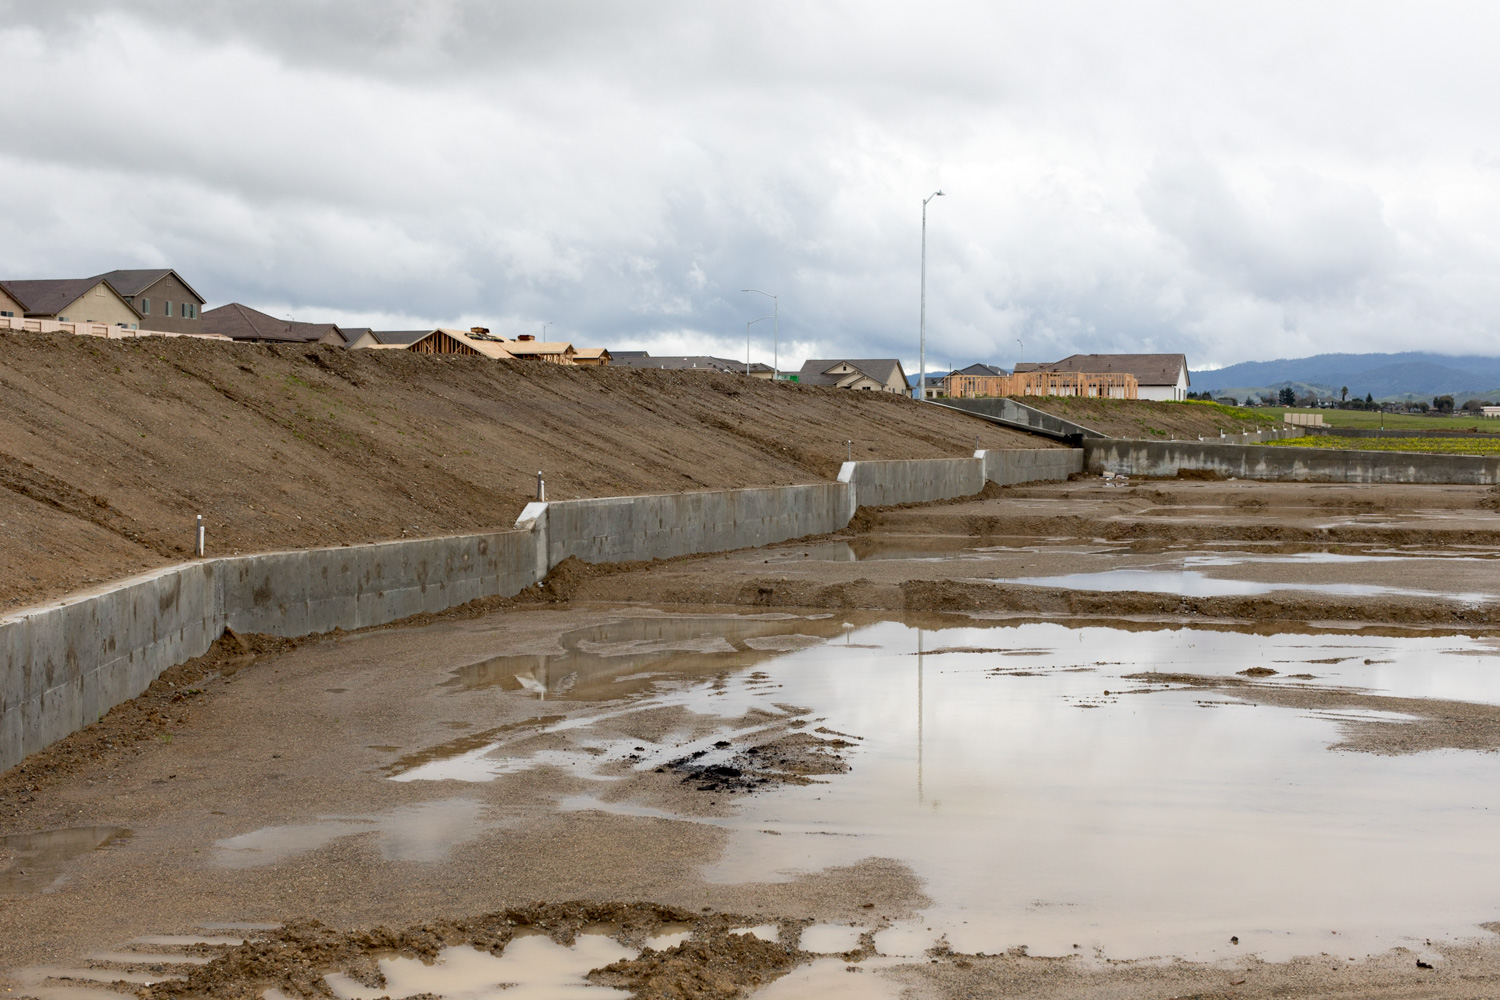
[108, 449]
[1147, 419]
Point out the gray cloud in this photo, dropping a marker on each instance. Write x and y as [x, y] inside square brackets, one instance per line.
[1235, 183]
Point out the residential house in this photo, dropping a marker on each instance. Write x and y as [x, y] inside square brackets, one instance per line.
[594, 357]
[690, 362]
[68, 300]
[527, 348]
[10, 307]
[1158, 376]
[873, 374]
[474, 342]
[163, 299]
[240, 322]
[1111, 385]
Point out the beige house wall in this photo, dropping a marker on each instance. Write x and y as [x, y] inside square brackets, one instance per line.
[168, 289]
[10, 305]
[100, 304]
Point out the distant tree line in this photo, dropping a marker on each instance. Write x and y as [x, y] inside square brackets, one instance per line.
[1287, 396]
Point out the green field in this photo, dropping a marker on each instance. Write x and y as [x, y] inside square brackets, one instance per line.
[1478, 444]
[1398, 421]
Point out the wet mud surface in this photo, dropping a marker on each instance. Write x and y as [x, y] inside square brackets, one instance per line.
[874, 762]
[713, 961]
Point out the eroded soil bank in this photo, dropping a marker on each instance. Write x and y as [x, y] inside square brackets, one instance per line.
[109, 449]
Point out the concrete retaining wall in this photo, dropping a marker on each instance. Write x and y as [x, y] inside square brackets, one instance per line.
[625, 529]
[1321, 465]
[318, 590]
[882, 484]
[64, 666]
[68, 664]
[1028, 465]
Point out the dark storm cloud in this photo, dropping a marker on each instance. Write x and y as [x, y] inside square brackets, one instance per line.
[1230, 181]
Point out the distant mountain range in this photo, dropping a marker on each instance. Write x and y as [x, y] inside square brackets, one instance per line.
[1411, 375]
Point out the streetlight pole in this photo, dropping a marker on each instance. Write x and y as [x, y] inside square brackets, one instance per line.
[776, 332]
[1022, 356]
[922, 344]
[748, 324]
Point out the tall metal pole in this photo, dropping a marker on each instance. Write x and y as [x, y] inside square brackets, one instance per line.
[747, 341]
[922, 344]
[776, 334]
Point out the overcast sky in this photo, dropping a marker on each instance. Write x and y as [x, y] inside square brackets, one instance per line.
[1236, 182]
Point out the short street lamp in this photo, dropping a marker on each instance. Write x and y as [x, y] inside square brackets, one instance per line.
[922, 346]
[775, 331]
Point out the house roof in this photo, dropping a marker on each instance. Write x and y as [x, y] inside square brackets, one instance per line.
[240, 322]
[48, 296]
[490, 347]
[1148, 369]
[816, 372]
[592, 352]
[980, 369]
[639, 359]
[134, 282]
[397, 338]
[521, 348]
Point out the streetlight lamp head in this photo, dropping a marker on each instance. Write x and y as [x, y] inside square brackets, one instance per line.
[940, 194]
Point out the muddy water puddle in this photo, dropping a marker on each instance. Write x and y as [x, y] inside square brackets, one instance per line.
[37, 860]
[621, 658]
[866, 548]
[1094, 791]
[530, 968]
[1196, 583]
[1360, 572]
[426, 832]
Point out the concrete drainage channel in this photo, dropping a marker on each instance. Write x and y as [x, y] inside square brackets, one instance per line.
[68, 664]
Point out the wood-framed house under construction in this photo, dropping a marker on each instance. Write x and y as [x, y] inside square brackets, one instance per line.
[1110, 385]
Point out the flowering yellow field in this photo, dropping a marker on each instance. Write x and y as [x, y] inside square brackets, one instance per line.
[1475, 445]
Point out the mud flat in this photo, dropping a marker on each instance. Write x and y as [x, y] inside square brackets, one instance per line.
[1053, 805]
[945, 751]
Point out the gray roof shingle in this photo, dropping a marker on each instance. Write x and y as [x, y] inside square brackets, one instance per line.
[134, 282]
[404, 338]
[981, 369]
[48, 296]
[632, 359]
[814, 372]
[240, 322]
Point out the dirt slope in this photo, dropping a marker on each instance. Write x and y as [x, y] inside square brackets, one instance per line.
[109, 448]
[1148, 419]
